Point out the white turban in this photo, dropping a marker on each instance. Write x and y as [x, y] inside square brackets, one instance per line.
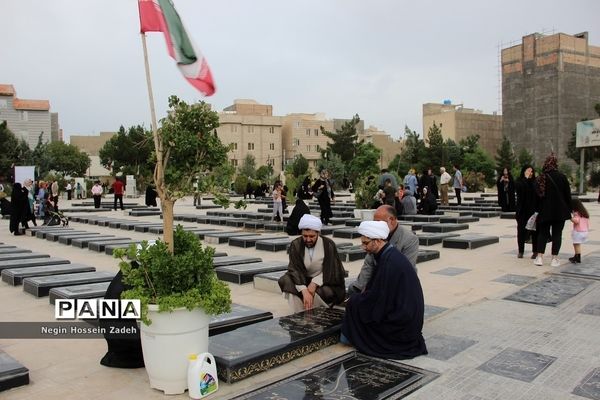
[309, 221]
[374, 229]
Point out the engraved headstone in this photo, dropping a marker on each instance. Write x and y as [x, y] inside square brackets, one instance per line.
[444, 347]
[551, 291]
[244, 273]
[437, 227]
[451, 271]
[589, 387]
[239, 316]
[589, 268]
[518, 364]
[519, 280]
[87, 291]
[249, 241]
[591, 309]
[469, 241]
[12, 373]
[21, 256]
[431, 238]
[15, 276]
[40, 286]
[33, 262]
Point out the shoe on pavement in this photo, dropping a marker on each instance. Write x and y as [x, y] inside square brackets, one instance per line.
[520, 255]
[539, 261]
[534, 256]
[555, 262]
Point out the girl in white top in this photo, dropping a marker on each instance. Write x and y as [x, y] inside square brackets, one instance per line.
[277, 202]
[581, 226]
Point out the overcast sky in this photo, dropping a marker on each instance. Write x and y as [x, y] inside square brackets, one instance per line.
[381, 59]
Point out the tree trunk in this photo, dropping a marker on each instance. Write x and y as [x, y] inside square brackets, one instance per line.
[167, 211]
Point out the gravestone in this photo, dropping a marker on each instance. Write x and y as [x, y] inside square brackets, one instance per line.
[431, 238]
[249, 241]
[451, 271]
[444, 347]
[15, 276]
[352, 253]
[33, 262]
[589, 268]
[274, 342]
[33, 231]
[68, 239]
[254, 225]
[442, 228]
[351, 376]
[82, 243]
[425, 218]
[273, 244]
[53, 236]
[551, 291]
[431, 311]
[347, 233]
[239, 316]
[12, 250]
[110, 248]
[427, 255]
[233, 260]
[519, 280]
[244, 273]
[486, 214]
[223, 236]
[40, 286]
[469, 241]
[41, 234]
[145, 228]
[517, 364]
[268, 281]
[86, 291]
[21, 256]
[12, 373]
[100, 245]
[589, 387]
[458, 220]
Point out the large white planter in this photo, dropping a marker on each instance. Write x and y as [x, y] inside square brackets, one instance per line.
[168, 341]
[364, 214]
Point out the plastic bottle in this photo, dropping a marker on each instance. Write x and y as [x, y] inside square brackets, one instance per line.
[202, 375]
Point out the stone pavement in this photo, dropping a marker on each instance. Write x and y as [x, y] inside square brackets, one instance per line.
[483, 345]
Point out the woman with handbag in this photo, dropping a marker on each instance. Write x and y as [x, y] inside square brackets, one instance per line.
[526, 205]
[554, 196]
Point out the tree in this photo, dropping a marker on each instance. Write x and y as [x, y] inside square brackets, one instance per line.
[479, 161]
[436, 146]
[365, 162]
[335, 166]
[264, 173]
[187, 148]
[299, 166]
[414, 153]
[505, 156]
[248, 167]
[129, 152]
[64, 159]
[525, 157]
[343, 140]
[12, 152]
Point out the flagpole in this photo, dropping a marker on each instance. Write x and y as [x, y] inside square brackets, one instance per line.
[149, 83]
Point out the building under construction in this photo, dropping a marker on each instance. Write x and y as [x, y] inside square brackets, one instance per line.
[549, 83]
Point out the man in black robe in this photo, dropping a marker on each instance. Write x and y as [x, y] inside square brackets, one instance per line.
[315, 275]
[386, 319]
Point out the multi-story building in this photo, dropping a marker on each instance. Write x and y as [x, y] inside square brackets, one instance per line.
[26, 119]
[251, 129]
[389, 146]
[457, 123]
[549, 83]
[92, 145]
[302, 135]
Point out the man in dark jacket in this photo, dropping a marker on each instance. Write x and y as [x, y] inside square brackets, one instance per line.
[315, 275]
[386, 319]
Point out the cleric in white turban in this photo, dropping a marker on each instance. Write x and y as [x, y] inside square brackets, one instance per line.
[309, 221]
[374, 229]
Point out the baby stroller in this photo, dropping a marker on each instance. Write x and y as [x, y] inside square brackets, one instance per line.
[53, 216]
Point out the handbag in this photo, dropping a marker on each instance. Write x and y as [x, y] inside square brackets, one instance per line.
[464, 188]
[531, 222]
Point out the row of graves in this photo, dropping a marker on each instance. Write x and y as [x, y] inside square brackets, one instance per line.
[280, 340]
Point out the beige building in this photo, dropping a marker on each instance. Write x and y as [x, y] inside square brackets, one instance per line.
[457, 123]
[389, 146]
[251, 128]
[302, 135]
[26, 119]
[92, 145]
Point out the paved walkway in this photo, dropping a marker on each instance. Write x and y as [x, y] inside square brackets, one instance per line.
[476, 342]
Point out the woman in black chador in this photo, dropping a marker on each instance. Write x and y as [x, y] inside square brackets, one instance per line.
[19, 205]
[323, 191]
[525, 207]
[506, 191]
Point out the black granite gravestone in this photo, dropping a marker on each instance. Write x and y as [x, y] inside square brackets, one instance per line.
[53, 236]
[67, 239]
[249, 241]
[268, 281]
[86, 291]
[444, 227]
[427, 255]
[589, 387]
[41, 234]
[347, 233]
[273, 244]
[518, 364]
[82, 243]
[33, 262]
[348, 377]
[444, 347]
[34, 230]
[239, 316]
[233, 260]
[451, 271]
[15, 276]
[551, 291]
[145, 228]
[519, 280]
[223, 236]
[274, 342]
[40, 286]
[21, 256]
[12, 250]
[352, 253]
[469, 241]
[589, 268]
[431, 238]
[591, 309]
[12, 372]
[244, 273]
[100, 245]
[458, 220]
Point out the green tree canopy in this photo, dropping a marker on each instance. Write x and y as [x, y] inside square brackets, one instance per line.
[299, 166]
[479, 161]
[414, 154]
[365, 163]
[335, 166]
[436, 147]
[248, 167]
[505, 156]
[65, 159]
[12, 151]
[525, 158]
[264, 173]
[343, 141]
[129, 152]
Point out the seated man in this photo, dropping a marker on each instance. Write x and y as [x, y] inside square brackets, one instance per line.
[400, 237]
[315, 275]
[386, 319]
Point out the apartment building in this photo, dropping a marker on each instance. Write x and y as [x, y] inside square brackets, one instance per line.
[26, 118]
[458, 122]
[92, 145]
[301, 134]
[389, 146]
[549, 83]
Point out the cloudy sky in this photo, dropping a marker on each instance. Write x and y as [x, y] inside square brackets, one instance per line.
[381, 59]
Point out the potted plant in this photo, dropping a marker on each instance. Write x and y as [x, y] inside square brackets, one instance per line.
[365, 189]
[178, 291]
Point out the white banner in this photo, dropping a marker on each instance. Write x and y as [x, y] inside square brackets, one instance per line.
[588, 133]
[24, 173]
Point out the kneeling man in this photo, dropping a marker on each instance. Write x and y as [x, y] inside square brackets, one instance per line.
[315, 275]
[386, 319]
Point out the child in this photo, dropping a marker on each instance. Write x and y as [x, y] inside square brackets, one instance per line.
[579, 234]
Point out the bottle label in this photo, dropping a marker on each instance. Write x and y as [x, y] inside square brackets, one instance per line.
[208, 384]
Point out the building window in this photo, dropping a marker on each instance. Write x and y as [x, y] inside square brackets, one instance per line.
[296, 142]
[250, 146]
[308, 147]
[233, 128]
[23, 116]
[271, 129]
[234, 162]
[272, 146]
[250, 129]
[318, 147]
[3, 104]
[271, 162]
[233, 146]
[316, 132]
[308, 132]
[297, 124]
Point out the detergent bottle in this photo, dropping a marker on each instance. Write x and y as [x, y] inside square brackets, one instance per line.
[202, 375]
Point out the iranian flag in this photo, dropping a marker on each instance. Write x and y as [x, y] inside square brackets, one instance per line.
[161, 16]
